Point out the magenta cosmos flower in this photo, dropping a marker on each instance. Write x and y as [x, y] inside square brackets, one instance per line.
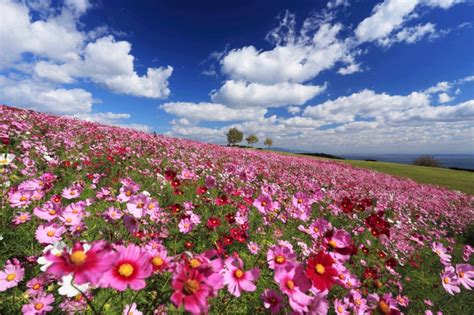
[238, 280]
[466, 275]
[265, 204]
[272, 301]
[38, 305]
[131, 267]
[11, 275]
[279, 256]
[293, 282]
[86, 262]
[192, 288]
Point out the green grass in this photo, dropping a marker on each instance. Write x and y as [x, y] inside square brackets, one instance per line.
[453, 179]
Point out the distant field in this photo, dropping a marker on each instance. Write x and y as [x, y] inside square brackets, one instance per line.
[458, 180]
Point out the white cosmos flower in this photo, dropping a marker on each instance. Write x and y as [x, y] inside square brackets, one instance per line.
[66, 288]
[6, 159]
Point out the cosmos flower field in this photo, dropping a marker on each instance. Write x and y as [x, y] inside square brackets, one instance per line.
[106, 220]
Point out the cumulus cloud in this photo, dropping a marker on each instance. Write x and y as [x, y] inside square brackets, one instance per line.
[211, 112]
[242, 94]
[44, 97]
[444, 98]
[410, 35]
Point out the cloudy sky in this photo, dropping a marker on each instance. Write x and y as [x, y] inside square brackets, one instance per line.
[339, 76]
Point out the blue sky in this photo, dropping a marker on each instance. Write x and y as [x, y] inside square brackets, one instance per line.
[338, 76]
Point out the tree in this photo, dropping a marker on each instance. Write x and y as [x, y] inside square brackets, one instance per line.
[234, 136]
[268, 142]
[251, 139]
[426, 160]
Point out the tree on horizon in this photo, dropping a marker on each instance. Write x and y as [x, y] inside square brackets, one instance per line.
[234, 136]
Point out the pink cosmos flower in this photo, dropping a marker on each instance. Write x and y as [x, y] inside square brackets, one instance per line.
[386, 304]
[319, 227]
[237, 279]
[159, 259]
[450, 280]
[72, 192]
[342, 306]
[131, 268]
[272, 301]
[70, 219]
[49, 211]
[253, 247]
[19, 198]
[50, 233]
[131, 310]
[467, 252]
[136, 205]
[192, 288]
[21, 217]
[11, 275]
[279, 256]
[466, 275]
[265, 204]
[319, 305]
[113, 213]
[294, 283]
[442, 252]
[86, 262]
[185, 225]
[35, 286]
[38, 305]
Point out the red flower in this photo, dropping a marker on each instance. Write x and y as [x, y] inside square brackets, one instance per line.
[213, 222]
[321, 271]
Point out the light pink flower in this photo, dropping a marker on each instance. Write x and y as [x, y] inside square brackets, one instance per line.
[442, 252]
[50, 233]
[21, 217]
[131, 310]
[294, 283]
[38, 305]
[11, 275]
[465, 274]
[450, 280]
[279, 256]
[238, 280]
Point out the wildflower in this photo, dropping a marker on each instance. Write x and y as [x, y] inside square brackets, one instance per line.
[70, 288]
[11, 275]
[6, 159]
[450, 280]
[213, 222]
[294, 283]
[38, 305]
[35, 286]
[185, 225]
[86, 262]
[279, 256]
[253, 247]
[49, 211]
[465, 274]
[20, 198]
[131, 268]
[131, 310]
[49, 234]
[341, 307]
[21, 218]
[442, 252]
[272, 301]
[237, 279]
[265, 204]
[320, 269]
[385, 304]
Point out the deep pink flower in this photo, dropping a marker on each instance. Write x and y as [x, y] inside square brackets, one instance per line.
[237, 279]
[265, 204]
[86, 262]
[131, 267]
[272, 301]
[279, 256]
[293, 282]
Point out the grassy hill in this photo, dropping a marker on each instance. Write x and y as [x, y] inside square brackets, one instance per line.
[453, 179]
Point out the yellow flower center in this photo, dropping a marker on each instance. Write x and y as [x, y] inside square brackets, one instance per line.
[126, 270]
[340, 309]
[320, 269]
[342, 276]
[68, 220]
[300, 200]
[384, 307]
[461, 274]
[358, 302]
[23, 217]
[78, 257]
[36, 286]
[3, 162]
[280, 259]
[128, 193]
[194, 263]
[23, 198]
[151, 206]
[157, 261]
[446, 280]
[39, 306]
[75, 211]
[315, 229]
[333, 243]
[72, 192]
[11, 276]
[290, 284]
[238, 273]
[191, 286]
[50, 233]
[264, 203]
[52, 212]
[140, 205]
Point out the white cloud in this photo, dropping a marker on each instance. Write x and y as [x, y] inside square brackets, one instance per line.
[439, 87]
[349, 69]
[44, 97]
[365, 103]
[195, 112]
[444, 98]
[294, 59]
[293, 109]
[336, 3]
[241, 94]
[391, 15]
[45, 38]
[53, 72]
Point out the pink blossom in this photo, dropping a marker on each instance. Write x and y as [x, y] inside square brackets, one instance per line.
[19, 198]
[441, 251]
[237, 279]
[341, 307]
[280, 256]
[130, 268]
[450, 280]
[465, 274]
[272, 301]
[265, 204]
[11, 275]
[35, 286]
[293, 282]
[38, 305]
[72, 192]
[50, 233]
[136, 205]
[49, 211]
[253, 247]
[21, 217]
[131, 310]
